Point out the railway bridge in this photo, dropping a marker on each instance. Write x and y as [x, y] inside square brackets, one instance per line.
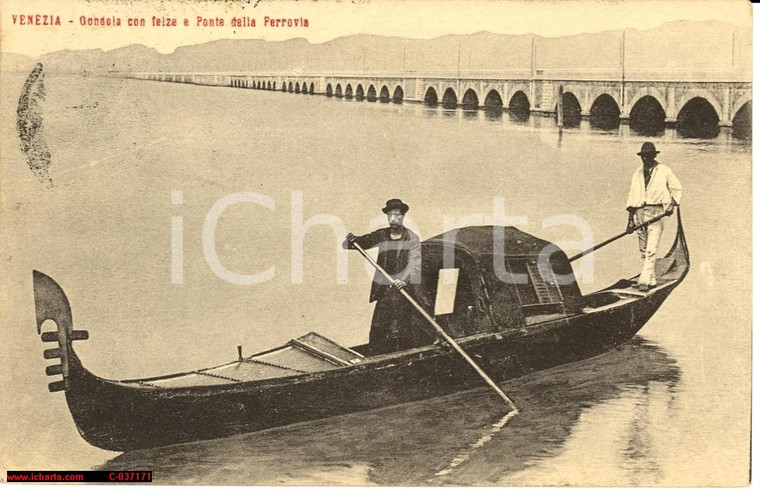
[699, 99]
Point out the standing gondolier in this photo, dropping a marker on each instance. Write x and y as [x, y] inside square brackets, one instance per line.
[395, 325]
[654, 190]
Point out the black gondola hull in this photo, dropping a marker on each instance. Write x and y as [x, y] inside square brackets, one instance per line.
[118, 417]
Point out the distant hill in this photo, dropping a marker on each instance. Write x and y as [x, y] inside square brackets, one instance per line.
[125, 59]
[675, 46]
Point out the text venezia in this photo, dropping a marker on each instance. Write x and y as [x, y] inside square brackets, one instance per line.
[159, 21]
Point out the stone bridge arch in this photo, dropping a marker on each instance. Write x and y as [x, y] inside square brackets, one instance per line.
[585, 93]
[519, 101]
[511, 89]
[493, 100]
[739, 103]
[605, 111]
[430, 96]
[450, 99]
[693, 93]
[385, 94]
[489, 87]
[431, 88]
[398, 95]
[468, 85]
[573, 108]
[653, 92]
[470, 100]
[568, 90]
[596, 94]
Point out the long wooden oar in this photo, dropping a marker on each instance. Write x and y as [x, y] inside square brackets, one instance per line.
[618, 236]
[440, 330]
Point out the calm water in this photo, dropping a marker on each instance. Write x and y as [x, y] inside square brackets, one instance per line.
[670, 409]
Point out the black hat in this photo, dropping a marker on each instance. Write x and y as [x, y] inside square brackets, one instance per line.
[395, 204]
[648, 149]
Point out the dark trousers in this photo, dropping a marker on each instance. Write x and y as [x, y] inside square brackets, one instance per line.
[396, 325]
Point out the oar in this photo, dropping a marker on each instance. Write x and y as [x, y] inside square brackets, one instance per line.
[618, 236]
[440, 331]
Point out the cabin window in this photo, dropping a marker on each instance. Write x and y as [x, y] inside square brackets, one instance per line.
[541, 286]
[446, 292]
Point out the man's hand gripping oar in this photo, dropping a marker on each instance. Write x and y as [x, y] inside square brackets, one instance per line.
[629, 230]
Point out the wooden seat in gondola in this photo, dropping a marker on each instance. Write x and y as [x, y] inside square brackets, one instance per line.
[308, 354]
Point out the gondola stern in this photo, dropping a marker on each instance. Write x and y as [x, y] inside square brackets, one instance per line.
[682, 246]
[676, 263]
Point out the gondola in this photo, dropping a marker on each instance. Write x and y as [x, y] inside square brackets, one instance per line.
[516, 309]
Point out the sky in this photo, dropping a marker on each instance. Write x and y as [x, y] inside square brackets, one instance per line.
[329, 19]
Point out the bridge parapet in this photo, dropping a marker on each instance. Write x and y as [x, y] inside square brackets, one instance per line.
[726, 92]
[690, 76]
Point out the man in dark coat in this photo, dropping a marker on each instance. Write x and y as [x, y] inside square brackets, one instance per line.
[396, 325]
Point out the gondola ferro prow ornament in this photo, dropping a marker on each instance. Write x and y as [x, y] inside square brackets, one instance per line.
[50, 302]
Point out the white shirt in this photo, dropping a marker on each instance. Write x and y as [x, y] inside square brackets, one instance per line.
[663, 187]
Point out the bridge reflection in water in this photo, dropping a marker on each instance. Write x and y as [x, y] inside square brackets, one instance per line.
[451, 440]
[696, 105]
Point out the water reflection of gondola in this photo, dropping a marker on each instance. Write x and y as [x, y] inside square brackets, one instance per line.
[410, 443]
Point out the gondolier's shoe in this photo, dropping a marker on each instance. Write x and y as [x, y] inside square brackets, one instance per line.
[644, 287]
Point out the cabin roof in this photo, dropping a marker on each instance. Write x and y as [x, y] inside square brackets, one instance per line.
[480, 240]
[519, 270]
